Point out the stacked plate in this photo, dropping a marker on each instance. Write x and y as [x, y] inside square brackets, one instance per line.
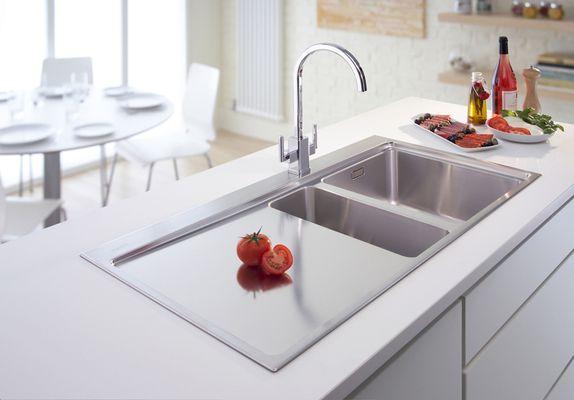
[54, 91]
[118, 91]
[141, 101]
[19, 134]
[92, 130]
[5, 96]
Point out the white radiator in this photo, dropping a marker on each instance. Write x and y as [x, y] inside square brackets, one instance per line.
[260, 58]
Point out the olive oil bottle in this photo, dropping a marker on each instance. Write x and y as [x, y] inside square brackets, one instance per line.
[477, 111]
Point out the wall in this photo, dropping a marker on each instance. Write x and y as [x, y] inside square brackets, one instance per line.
[204, 32]
[395, 67]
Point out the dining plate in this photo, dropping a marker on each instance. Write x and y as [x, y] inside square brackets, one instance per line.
[465, 149]
[5, 96]
[54, 91]
[536, 136]
[141, 101]
[117, 91]
[19, 134]
[93, 129]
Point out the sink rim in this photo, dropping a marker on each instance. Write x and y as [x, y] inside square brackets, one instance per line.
[183, 226]
[459, 160]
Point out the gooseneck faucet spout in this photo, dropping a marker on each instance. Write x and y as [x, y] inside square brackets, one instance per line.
[299, 148]
[298, 78]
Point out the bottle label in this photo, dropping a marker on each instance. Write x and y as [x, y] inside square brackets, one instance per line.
[510, 100]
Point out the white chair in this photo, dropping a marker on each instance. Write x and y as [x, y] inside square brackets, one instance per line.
[190, 139]
[20, 216]
[58, 72]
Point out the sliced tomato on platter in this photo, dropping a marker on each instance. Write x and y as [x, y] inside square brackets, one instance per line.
[519, 131]
[498, 123]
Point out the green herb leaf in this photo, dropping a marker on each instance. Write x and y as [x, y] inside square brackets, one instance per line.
[529, 115]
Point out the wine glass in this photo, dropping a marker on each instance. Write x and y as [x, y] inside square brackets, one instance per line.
[16, 105]
[81, 86]
[70, 97]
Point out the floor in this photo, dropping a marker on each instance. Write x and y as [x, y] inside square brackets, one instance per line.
[81, 192]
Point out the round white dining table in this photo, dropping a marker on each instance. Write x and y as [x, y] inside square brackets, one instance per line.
[97, 108]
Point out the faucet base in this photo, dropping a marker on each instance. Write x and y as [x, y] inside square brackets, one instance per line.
[299, 156]
[295, 171]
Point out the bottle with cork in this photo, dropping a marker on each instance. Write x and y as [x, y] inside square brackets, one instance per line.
[477, 110]
[504, 87]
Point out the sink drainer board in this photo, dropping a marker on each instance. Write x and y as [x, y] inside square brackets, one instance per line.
[353, 235]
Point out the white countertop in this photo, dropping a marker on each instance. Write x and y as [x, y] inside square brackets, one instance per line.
[69, 330]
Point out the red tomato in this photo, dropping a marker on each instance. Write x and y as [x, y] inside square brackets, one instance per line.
[519, 131]
[251, 248]
[498, 123]
[277, 261]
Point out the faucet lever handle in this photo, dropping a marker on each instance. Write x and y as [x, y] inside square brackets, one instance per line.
[313, 145]
[282, 156]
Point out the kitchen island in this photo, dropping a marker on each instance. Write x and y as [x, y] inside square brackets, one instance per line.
[69, 330]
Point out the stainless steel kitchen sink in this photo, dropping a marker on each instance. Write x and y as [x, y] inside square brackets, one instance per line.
[365, 217]
[438, 186]
[401, 235]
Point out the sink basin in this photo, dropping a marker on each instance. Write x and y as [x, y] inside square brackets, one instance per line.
[365, 217]
[381, 228]
[440, 187]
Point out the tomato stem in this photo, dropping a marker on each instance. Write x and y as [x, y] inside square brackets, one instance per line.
[254, 237]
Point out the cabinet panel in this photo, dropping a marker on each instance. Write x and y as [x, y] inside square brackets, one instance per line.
[493, 301]
[564, 389]
[528, 354]
[428, 368]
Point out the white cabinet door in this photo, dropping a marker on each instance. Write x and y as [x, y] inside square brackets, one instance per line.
[528, 354]
[428, 368]
[493, 301]
[564, 389]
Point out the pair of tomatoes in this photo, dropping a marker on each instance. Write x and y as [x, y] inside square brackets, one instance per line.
[255, 249]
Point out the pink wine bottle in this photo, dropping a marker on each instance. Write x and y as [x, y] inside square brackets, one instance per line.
[504, 88]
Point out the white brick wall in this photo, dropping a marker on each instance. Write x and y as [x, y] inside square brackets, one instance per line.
[395, 67]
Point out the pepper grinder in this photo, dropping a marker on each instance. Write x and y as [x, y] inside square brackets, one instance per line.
[531, 76]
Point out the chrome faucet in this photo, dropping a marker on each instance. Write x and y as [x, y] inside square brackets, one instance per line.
[298, 146]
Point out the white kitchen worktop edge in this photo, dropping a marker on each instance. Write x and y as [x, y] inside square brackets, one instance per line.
[69, 330]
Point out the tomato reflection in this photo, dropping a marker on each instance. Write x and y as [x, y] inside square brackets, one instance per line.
[253, 279]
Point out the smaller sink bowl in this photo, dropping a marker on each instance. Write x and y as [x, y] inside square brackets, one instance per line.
[433, 185]
[392, 232]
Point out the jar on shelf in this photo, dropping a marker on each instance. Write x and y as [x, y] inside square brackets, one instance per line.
[463, 6]
[529, 10]
[556, 11]
[517, 6]
[483, 6]
[543, 8]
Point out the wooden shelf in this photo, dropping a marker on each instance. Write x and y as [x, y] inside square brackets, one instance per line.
[463, 79]
[459, 78]
[508, 20]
